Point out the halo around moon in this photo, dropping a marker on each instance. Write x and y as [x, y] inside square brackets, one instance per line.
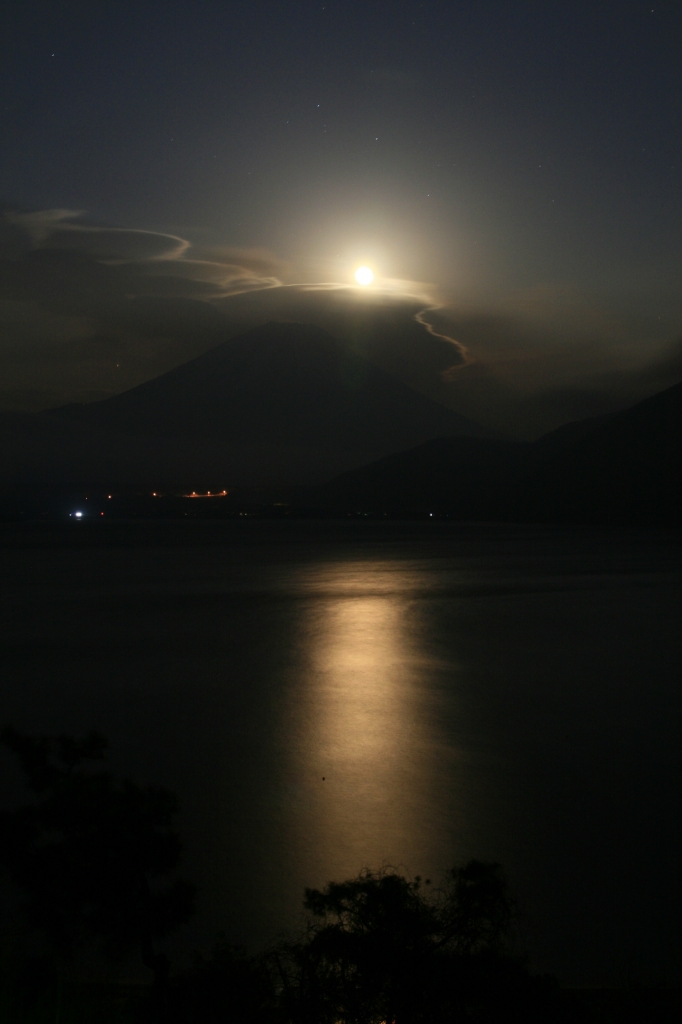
[364, 276]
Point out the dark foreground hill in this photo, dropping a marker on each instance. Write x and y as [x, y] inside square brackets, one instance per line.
[624, 468]
[285, 403]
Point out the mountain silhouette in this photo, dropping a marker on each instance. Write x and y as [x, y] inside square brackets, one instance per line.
[286, 382]
[623, 468]
[284, 402]
[454, 476]
[287, 406]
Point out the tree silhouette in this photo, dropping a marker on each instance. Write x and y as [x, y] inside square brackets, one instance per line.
[92, 855]
[385, 948]
[90, 851]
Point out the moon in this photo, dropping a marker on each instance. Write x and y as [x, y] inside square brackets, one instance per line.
[364, 276]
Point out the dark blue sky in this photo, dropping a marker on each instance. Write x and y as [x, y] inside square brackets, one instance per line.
[521, 158]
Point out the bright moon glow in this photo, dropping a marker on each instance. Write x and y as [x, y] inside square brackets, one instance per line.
[364, 276]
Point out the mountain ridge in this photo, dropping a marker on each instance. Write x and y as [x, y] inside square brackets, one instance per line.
[623, 467]
[284, 403]
[298, 371]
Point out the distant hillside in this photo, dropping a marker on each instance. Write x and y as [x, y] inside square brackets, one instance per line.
[626, 469]
[622, 468]
[447, 475]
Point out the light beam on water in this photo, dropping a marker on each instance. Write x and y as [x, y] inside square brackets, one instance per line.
[365, 726]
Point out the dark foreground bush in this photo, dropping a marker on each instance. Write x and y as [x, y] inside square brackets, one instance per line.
[89, 855]
[91, 858]
[227, 987]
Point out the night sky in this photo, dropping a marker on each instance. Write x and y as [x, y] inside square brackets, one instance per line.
[510, 171]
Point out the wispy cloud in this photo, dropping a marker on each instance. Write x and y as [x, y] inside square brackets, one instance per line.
[89, 310]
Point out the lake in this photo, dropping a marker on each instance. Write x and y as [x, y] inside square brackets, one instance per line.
[329, 696]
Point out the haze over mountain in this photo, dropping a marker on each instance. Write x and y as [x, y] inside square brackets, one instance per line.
[285, 403]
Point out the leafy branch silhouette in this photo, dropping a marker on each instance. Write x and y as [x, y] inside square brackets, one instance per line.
[90, 852]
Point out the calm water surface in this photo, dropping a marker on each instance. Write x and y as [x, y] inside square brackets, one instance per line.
[325, 697]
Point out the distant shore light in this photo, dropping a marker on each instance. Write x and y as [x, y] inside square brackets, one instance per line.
[207, 494]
